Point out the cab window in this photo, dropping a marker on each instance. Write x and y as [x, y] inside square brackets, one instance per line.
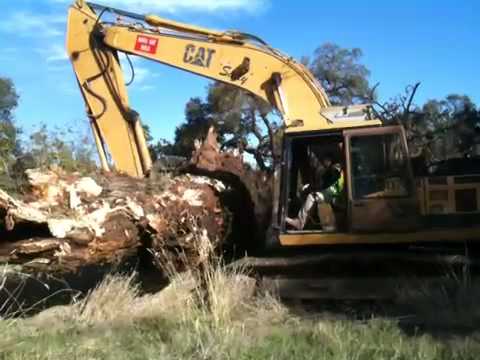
[379, 166]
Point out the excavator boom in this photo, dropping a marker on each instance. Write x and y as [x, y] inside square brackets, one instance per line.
[239, 59]
[380, 198]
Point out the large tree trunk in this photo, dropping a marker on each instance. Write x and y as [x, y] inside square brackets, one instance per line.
[67, 221]
[251, 195]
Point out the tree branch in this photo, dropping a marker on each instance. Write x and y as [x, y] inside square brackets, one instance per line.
[271, 136]
[258, 157]
[410, 101]
[371, 95]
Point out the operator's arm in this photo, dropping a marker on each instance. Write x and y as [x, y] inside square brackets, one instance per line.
[331, 175]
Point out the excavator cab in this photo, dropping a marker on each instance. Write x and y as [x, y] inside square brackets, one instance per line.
[377, 192]
[377, 195]
[381, 186]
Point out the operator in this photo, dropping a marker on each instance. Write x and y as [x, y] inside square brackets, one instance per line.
[332, 190]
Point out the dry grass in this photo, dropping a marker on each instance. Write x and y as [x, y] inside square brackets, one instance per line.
[215, 293]
[218, 315]
[13, 283]
[113, 300]
[115, 322]
[449, 302]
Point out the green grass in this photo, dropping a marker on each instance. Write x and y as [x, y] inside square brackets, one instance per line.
[115, 322]
[159, 338]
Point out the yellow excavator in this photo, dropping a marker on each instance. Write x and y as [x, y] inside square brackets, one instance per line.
[383, 202]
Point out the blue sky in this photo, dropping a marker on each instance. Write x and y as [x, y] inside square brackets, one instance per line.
[435, 42]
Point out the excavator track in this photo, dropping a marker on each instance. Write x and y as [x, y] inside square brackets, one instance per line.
[360, 274]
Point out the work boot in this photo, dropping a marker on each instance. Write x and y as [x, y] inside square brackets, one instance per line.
[296, 223]
[329, 228]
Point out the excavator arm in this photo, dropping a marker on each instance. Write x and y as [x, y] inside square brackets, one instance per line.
[239, 59]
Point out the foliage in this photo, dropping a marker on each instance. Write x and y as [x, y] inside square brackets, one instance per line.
[148, 133]
[438, 130]
[241, 120]
[8, 99]
[9, 133]
[49, 148]
[246, 123]
[340, 73]
[449, 128]
[67, 148]
[9, 145]
[198, 119]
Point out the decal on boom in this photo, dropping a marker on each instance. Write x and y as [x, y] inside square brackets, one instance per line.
[146, 44]
[199, 56]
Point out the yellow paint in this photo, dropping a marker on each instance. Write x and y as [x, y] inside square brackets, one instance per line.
[114, 131]
[438, 235]
[278, 79]
[426, 191]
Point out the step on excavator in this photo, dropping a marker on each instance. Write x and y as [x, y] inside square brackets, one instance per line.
[383, 203]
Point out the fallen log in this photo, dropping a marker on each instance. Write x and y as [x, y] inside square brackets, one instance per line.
[67, 221]
[251, 195]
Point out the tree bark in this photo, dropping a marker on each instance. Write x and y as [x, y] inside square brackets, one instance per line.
[252, 188]
[66, 221]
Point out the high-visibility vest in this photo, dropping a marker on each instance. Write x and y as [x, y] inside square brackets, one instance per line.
[338, 186]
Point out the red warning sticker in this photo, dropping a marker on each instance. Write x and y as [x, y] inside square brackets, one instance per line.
[146, 44]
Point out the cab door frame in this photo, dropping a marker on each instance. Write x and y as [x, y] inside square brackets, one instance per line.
[285, 173]
[380, 214]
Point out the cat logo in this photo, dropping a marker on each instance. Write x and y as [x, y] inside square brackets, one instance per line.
[198, 56]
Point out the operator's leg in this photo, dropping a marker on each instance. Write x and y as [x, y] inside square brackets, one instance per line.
[325, 211]
[299, 222]
[325, 196]
[305, 210]
[323, 199]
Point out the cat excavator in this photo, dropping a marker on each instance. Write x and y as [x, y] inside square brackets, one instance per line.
[383, 204]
